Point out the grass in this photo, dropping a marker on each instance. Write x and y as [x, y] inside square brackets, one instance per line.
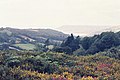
[25, 46]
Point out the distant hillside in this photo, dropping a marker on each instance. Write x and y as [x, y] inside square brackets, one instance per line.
[10, 36]
[114, 29]
[35, 34]
[87, 30]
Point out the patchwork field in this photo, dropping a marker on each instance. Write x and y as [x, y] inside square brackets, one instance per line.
[26, 46]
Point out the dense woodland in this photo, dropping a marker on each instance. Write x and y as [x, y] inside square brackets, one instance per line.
[76, 58]
[89, 45]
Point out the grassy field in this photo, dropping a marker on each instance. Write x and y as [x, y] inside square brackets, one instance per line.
[25, 46]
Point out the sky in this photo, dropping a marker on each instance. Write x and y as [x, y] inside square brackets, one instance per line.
[56, 13]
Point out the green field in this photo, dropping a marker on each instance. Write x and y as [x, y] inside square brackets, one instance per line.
[25, 46]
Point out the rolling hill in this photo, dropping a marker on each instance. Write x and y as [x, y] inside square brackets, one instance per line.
[34, 34]
[30, 36]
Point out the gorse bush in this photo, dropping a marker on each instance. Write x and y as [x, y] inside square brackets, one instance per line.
[57, 66]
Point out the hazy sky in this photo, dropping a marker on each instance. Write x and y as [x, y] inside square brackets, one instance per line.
[55, 13]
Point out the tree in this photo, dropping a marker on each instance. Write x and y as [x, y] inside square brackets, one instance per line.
[108, 40]
[86, 43]
[98, 43]
[67, 41]
[71, 43]
[75, 44]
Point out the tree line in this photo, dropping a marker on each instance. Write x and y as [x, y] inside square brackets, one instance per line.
[89, 45]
